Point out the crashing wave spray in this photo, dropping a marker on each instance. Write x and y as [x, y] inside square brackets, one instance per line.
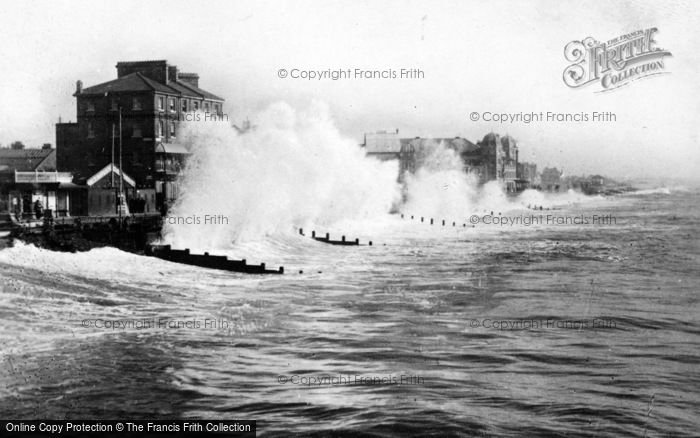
[292, 170]
[441, 188]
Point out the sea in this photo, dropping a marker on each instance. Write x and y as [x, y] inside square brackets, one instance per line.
[579, 319]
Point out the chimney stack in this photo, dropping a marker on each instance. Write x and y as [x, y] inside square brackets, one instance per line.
[172, 73]
[156, 70]
[190, 78]
[78, 87]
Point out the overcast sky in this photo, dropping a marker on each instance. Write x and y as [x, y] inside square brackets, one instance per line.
[503, 57]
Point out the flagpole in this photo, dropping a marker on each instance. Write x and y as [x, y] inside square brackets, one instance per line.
[112, 162]
[121, 171]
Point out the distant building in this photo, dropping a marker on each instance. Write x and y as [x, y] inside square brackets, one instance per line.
[551, 179]
[527, 176]
[493, 158]
[152, 98]
[589, 185]
[597, 180]
[383, 145]
[415, 151]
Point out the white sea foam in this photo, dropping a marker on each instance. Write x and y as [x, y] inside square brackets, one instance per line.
[294, 169]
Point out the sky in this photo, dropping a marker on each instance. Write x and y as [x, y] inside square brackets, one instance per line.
[476, 56]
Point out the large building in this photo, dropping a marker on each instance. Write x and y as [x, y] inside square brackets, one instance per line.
[142, 107]
[495, 158]
[410, 152]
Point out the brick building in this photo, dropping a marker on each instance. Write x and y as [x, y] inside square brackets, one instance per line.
[150, 98]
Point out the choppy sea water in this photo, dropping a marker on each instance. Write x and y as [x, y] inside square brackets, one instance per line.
[557, 330]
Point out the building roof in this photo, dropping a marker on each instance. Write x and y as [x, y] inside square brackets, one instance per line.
[390, 142]
[138, 82]
[187, 89]
[382, 142]
[456, 143]
[171, 148]
[107, 170]
[27, 160]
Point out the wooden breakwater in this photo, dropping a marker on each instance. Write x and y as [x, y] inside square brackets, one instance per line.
[327, 239]
[424, 219]
[207, 260]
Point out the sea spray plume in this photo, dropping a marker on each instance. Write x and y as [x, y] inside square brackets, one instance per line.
[439, 188]
[293, 170]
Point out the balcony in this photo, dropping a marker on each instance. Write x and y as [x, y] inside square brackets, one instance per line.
[167, 166]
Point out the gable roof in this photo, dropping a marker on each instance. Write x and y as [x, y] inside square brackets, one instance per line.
[138, 82]
[27, 160]
[106, 171]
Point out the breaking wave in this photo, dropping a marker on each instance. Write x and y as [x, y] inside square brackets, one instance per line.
[295, 170]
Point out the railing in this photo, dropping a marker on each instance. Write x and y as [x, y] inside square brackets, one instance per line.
[167, 167]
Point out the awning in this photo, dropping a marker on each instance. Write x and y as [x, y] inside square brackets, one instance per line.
[70, 186]
[171, 148]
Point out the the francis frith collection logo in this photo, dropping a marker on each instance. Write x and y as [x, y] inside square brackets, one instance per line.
[614, 63]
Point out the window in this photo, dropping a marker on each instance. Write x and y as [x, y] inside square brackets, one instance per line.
[172, 129]
[136, 103]
[161, 103]
[206, 107]
[114, 105]
[184, 105]
[217, 108]
[196, 106]
[172, 104]
[159, 128]
[91, 106]
[136, 130]
[90, 131]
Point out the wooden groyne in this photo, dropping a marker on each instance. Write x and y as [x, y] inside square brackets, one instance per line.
[432, 221]
[206, 260]
[343, 241]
